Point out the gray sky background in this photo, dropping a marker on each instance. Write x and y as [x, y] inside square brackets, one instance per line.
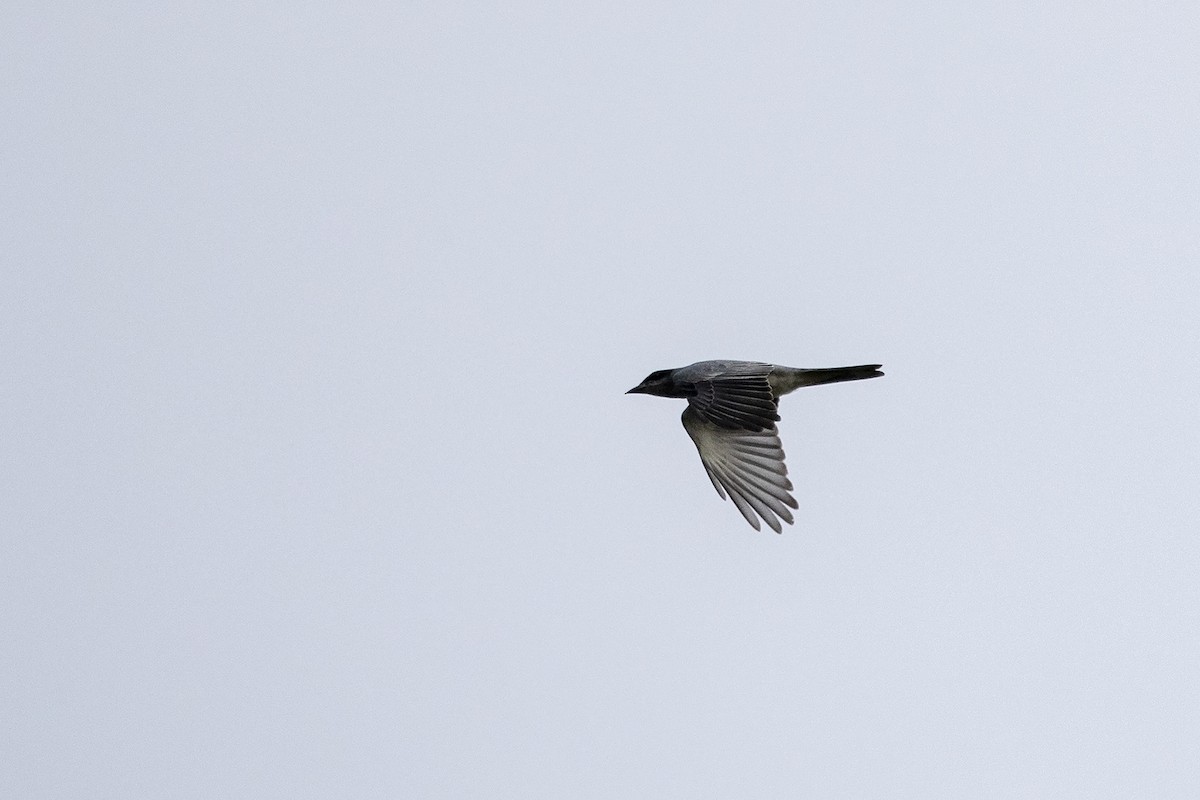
[320, 481]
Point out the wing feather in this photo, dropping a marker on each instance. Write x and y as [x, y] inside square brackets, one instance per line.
[737, 400]
[745, 466]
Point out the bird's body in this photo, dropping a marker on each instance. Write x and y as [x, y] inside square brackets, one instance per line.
[731, 415]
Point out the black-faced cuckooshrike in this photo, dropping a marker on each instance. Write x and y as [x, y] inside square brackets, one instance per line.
[731, 415]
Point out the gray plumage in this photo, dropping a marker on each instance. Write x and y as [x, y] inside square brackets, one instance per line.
[731, 415]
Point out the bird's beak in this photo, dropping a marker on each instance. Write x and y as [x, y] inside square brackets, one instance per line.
[639, 389]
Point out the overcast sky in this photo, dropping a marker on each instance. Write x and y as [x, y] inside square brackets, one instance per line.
[319, 478]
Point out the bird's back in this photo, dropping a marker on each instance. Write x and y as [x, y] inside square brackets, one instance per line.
[707, 370]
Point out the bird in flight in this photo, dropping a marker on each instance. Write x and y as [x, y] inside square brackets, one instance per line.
[731, 414]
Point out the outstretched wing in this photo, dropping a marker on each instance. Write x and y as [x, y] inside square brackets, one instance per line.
[739, 397]
[746, 464]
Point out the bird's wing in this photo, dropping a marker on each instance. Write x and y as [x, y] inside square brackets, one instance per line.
[737, 400]
[746, 464]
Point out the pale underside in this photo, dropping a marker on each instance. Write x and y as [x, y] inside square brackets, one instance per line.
[745, 465]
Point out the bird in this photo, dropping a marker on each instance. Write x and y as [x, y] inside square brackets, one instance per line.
[731, 414]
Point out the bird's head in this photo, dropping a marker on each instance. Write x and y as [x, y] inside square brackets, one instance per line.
[661, 383]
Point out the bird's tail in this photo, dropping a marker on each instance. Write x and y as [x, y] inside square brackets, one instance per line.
[784, 381]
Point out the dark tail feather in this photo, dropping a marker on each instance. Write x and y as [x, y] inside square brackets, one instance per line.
[815, 377]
